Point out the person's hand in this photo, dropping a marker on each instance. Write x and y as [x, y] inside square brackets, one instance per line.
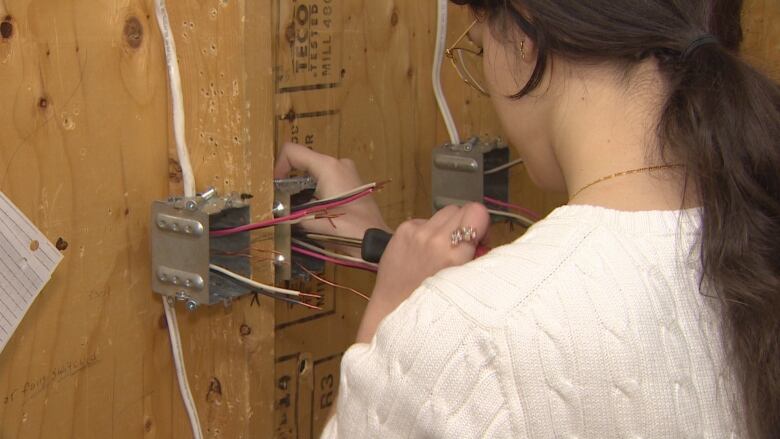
[334, 176]
[418, 250]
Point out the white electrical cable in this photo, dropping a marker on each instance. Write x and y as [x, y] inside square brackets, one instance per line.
[300, 220]
[498, 169]
[331, 254]
[181, 372]
[188, 179]
[255, 284]
[524, 221]
[438, 59]
[177, 97]
[348, 193]
[338, 197]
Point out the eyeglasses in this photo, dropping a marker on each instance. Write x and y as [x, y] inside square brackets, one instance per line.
[468, 61]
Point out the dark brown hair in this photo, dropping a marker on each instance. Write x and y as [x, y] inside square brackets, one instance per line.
[722, 118]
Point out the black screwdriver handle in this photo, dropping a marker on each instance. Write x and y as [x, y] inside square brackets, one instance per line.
[374, 243]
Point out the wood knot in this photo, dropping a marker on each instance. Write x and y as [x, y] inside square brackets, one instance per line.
[61, 244]
[134, 32]
[43, 103]
[245, 330]
[215, 391]
[7, 28]
[148, 425]
[394, 18]
[174, 171]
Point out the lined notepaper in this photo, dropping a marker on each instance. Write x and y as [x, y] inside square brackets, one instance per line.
[27, 261]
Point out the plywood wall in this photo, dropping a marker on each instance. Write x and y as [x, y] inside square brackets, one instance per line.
[762, 35]
[85, 147]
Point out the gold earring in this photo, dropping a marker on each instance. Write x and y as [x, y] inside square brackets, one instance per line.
[522, 50]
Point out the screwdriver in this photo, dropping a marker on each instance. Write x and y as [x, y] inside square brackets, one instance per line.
[375, 242]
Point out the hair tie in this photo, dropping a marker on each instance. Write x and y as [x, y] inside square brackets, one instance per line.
[696, 43]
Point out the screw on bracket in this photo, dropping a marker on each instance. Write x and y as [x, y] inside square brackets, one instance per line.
[279, 208]
[209, 194]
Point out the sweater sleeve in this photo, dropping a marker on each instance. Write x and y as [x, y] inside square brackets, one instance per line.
[429, 372]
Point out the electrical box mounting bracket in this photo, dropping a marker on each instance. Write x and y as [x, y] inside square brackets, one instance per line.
[284, 189]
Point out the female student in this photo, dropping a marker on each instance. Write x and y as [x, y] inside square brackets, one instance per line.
[649, 306]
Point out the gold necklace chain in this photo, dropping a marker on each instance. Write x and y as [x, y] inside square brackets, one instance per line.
[623, 174]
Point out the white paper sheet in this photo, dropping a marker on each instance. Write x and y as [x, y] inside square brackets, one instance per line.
[27, 261]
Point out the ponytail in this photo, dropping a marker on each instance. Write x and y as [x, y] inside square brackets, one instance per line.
[723, 120]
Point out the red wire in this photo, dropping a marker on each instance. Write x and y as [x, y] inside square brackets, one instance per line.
[534, 215]
[293, 217]
[296, 302]
[333, 284]
[325, 258]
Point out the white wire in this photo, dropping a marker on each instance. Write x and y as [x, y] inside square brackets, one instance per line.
[525, 221]
[498, 169]
[334, 255]
[188, 179]
[338, 197]
[181, 372]
[300, 220]
[177, 98]
[349, 193]
[438, 59]
[253, 283]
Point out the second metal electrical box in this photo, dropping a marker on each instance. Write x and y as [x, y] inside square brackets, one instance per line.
[458, 172]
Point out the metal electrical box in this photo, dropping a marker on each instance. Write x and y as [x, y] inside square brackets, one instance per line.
[182, 248]
[458, 172]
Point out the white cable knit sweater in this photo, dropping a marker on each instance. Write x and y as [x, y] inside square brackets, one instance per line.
[589, 326]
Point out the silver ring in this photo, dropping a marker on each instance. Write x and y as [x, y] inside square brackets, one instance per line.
[461, 234]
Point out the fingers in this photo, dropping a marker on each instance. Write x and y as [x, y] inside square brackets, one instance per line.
[410, 227]
[475, 215]
[444, 217]
[470, 218]
[452, 218]
[438, 230]
[333, 175]
[294, 156]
